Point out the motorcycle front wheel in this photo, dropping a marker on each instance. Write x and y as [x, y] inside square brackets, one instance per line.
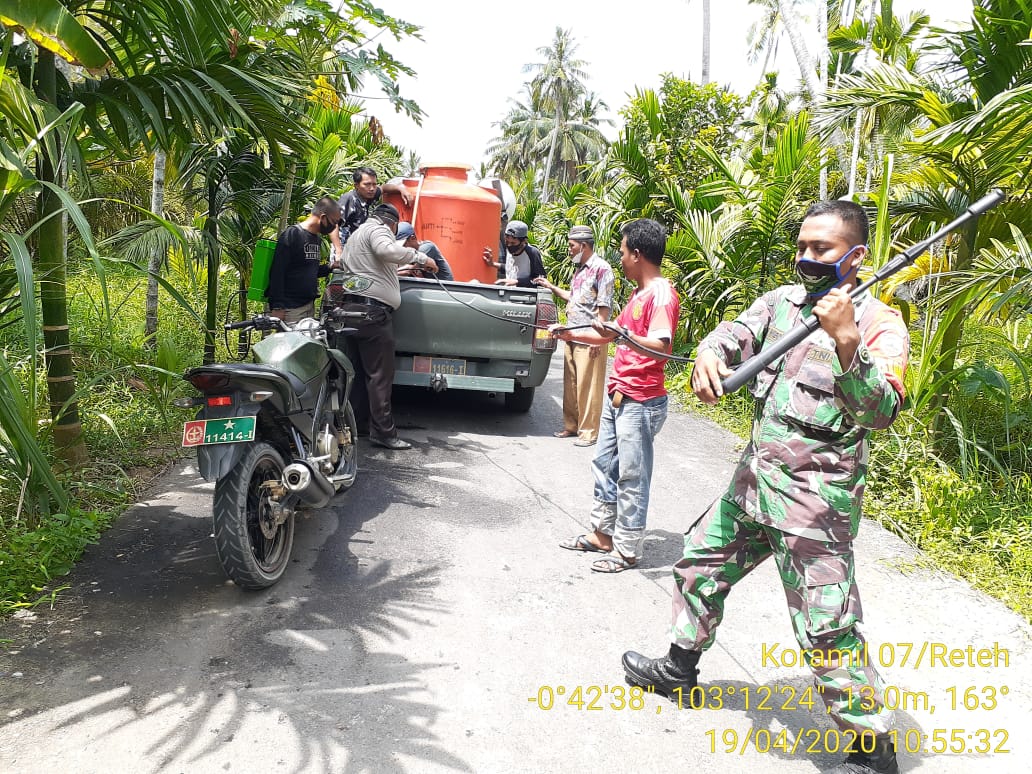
[252, 548]
[347, 464]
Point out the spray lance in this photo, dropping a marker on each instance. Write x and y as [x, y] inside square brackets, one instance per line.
[747, 370]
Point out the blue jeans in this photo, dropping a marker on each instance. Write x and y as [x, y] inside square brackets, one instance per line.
[623, 470]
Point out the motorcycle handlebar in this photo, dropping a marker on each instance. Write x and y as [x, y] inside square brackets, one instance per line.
[344, 314]
[260, 321]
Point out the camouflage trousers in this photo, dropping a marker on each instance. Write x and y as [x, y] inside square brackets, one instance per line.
[823, 601]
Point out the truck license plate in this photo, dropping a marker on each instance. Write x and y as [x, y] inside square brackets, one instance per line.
[203, 432]
[449, 366]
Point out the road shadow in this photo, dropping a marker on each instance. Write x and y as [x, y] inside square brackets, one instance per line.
[152, 643]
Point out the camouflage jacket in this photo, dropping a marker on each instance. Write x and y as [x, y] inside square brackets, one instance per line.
[804, 469]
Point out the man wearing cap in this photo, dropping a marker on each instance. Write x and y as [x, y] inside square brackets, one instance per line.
[522, 260]
[406, 236]
[372, 252]
[589, 298]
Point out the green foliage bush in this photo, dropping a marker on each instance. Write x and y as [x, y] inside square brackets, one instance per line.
[977, 526]
[125, 393]
[30, 560]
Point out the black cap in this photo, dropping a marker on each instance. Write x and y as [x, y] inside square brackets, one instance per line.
[385, 211]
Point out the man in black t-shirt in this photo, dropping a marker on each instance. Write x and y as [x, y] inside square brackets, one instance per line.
[297, 263]
[356, 205]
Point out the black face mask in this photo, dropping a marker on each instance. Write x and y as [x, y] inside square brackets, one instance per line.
[819, 278]
[327, 228]
[517, 249]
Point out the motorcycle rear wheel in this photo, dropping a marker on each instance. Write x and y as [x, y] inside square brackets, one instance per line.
[241, 508]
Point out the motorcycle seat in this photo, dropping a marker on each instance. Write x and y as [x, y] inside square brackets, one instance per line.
[299, 387]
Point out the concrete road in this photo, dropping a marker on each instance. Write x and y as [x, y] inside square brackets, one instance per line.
[430, 623]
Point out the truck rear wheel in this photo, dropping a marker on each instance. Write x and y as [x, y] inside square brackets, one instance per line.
[519, 399]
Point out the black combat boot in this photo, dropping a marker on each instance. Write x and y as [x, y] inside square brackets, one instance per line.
[881, 760]
[668, 674]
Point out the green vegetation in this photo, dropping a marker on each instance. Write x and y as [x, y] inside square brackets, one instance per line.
[108, 288]
[129, 204]
[915, 124]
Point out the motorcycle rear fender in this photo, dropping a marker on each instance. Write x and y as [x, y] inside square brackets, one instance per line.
[214, 462]
[344, 363]
[245, 379]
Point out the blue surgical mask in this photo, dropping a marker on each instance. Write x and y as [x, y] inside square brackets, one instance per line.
[819, 278]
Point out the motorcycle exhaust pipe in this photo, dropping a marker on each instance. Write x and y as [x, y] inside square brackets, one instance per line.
[311, 486]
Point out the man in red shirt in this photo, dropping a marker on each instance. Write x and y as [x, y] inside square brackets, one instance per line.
[636, 401]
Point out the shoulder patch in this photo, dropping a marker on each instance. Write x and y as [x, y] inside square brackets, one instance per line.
[891, 345]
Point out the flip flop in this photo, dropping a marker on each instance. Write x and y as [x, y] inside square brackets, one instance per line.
[611, 563]
[581, 543]
[564, 434]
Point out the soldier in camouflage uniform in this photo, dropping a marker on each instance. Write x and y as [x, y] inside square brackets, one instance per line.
[796, 493]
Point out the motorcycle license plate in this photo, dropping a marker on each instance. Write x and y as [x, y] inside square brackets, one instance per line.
[202, 432]
[438, 365]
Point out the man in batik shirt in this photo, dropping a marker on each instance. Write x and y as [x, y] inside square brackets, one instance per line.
[796, 494]
[589, 298]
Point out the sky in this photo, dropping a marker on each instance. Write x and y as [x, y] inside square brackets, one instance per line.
[472, 56]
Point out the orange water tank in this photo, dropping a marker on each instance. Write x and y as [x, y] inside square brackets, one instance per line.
[459, 217]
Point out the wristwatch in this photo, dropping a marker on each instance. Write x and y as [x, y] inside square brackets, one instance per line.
[421, 260]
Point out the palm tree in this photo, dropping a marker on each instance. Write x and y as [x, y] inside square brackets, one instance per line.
[763, 36]
[29, 125]
[522, 132]
[971, 126]
[770, 112]
[705, 42]
[882, 38]
[580, 140]
[188, 57]
[811, 72]
[557, 87]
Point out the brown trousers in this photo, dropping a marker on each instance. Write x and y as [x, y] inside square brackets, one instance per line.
[584, 385]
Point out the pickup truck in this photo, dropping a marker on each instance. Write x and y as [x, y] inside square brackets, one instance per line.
[444, 338]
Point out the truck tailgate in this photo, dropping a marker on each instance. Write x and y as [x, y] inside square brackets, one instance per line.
[434, 322]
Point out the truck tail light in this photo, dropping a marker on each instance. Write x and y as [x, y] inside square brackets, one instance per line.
[547, 314]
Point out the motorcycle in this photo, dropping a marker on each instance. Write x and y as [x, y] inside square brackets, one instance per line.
[277, 436]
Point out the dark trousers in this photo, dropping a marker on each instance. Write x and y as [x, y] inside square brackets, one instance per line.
[371, 349]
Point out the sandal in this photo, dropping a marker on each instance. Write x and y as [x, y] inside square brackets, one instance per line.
[564, 433]
[581, 543]
[613, 562]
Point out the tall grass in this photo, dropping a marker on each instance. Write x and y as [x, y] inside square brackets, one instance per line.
[124, 390]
